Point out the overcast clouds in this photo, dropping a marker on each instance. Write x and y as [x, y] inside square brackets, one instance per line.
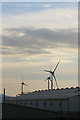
[36, 41]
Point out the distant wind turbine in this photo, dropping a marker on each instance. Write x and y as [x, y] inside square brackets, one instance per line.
[22, 85]
[53, 75]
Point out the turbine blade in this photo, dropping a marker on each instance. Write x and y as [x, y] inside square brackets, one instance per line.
[47, 71]
[57, 65]
[26, 84]
[55, 81]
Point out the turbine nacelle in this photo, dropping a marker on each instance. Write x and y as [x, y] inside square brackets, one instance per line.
[24, 84]
[48, 78]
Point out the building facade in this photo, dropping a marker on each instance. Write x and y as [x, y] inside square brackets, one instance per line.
[59, 100]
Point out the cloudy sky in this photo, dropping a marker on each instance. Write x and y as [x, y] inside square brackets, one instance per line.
[35, 36]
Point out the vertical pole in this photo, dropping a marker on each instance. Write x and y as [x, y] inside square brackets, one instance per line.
[22, 85]
[22, 89]
[51, 82]
[4, 95]
[51, 78]
[48, 84]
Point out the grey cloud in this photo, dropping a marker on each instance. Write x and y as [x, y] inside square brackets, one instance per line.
[35, 41]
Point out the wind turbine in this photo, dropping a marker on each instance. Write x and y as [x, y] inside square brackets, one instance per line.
[53, 75]
[22, 85]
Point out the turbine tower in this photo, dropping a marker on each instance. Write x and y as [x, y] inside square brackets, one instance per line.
[53, 75]
[48, 78]
[22, 85]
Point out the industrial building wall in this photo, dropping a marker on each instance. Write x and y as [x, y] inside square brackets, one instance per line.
[73, 103]
[78, 103]
[64, 105]
[51, 105]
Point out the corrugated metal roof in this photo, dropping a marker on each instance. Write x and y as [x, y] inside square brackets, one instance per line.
[51, 94]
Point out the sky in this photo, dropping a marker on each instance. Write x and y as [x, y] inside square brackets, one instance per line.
[35, 37]
[40, 0]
